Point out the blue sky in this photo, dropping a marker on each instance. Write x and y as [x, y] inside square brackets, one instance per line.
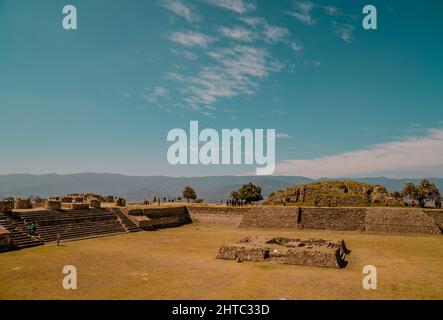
[344, 101]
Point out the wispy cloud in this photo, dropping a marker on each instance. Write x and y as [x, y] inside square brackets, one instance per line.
[275, 33]
[344, 31]
[237, 71]
[237, 6]
[269, 32]
[156, 94]
[185, 54]
[122, 93]
[296, 47]
[303, 12]
[282, 135]
[333, 11]
[400, 158]
[191, 39]
[237, 33]
[180, 8]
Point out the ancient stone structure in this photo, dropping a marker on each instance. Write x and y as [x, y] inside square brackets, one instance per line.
[335, 194]
[6, 205]
[341, 219]
[77, 206]
[94, 203]
[39, 203]
[400, 220]
[308, 252]
[67, 199]
[377, 219]
[23, 203]
[120, 202]
[77, 199]
[159, 218]
[437, 215]
[271, 217]
[218, 215]
[53, 204]
[5, 239]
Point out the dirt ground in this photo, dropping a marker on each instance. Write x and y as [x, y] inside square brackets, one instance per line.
[180, 263]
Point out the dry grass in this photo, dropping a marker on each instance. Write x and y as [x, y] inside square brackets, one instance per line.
[180, 264]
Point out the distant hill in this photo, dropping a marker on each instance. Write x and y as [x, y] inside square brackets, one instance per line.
[336, 193]
[133, 188]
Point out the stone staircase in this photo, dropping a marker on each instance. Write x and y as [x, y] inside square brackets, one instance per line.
[74, 225]
[20, 238]
[125, 221]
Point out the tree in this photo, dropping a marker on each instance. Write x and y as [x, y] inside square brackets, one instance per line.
[423, 192]
[250, 193]
[189, 193]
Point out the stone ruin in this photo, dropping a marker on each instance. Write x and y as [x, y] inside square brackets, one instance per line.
[23, 203]
[307, 252]
[53, 204]
[6, 205]
[95, 203]
[120, 202]
[77, 206]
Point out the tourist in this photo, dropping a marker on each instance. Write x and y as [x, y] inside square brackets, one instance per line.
[58, 239]
[32, 228]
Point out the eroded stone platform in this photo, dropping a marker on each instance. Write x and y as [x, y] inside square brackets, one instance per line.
[308, 252]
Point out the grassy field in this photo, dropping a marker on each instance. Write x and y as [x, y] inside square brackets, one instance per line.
[180, 264]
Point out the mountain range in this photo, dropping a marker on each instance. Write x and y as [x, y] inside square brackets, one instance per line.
[135, 188]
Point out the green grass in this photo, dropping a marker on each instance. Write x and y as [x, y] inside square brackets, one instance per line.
[180, 263]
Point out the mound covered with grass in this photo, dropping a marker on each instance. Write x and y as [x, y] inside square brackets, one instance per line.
[336, 194]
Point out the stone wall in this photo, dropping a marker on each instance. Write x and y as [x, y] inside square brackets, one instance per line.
[218, 215]
[271, 217]
[158, 218]
[437, 215]
[403, 220]
[5, 239]
[340, 219]
[6, 205]
[23, 204]
[400, 220]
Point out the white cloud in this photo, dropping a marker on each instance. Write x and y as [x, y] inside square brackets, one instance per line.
[185, 54]
[156, 94]
[270, 33]
[281, 135]
[296, 47]
[275, 33]
[237, 33]
[191, 39]
[303, 12]
[122, 93]
[237, 6]
[332, 11]
[181, 9]
[407, 157]
[237, 71]
[344, 31]
[253, 21]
